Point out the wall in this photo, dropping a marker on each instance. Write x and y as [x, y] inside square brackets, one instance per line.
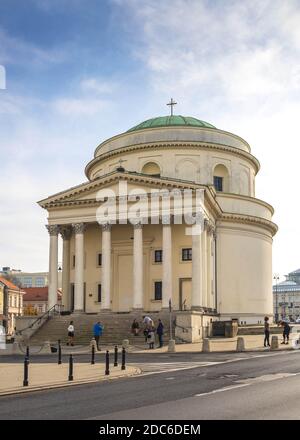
[244, 272]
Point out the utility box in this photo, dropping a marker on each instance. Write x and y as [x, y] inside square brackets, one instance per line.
[231, 328]
[227, 329]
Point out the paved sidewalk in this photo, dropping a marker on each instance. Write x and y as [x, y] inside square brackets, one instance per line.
[45, 376]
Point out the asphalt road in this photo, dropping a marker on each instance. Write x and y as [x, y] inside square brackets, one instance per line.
[219, 386]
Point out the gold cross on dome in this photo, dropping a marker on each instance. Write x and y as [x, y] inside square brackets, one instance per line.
[171, 104]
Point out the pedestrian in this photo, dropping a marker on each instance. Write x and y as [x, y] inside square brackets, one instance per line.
[147, 321]
[98, 330]
[286, 332]
[151, 337]
[71, 332]
[135, 327]
[267, 332]
[160, 332]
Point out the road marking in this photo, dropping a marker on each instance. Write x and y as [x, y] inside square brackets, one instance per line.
[149, 368]
[250, 381]
[221, 390]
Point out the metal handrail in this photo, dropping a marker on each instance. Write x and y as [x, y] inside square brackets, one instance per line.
[54, 309]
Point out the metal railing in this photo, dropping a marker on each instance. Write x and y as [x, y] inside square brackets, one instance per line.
[55, 310]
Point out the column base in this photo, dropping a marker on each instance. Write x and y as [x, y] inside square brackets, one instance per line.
[105, 311]
[197, 308]
[137, 309]
[78, 312]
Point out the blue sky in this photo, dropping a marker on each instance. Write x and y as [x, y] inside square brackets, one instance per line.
[81, 71]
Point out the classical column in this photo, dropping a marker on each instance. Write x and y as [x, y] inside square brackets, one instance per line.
[167, 262]
[106, 267]
[204, 265]
[138, 267]
[197, 300]
[53, 263]
[79, 267]
[66, 233]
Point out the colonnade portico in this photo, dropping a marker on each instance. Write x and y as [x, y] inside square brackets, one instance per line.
[202, 259]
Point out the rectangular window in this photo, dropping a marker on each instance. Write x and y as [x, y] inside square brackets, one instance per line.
[158, 256]
[27, 281]
[158, 290]
[73, 260]
[187, 254]
[99, 293]
[99, 259]
[218, 183]
[39, 282]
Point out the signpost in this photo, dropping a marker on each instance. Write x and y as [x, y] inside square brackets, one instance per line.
[171, 347]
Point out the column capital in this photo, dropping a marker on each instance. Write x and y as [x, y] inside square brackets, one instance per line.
[65, 232]
[79, 228]
[52, 229]
[138, 225]
[106, 227]
[209, 226]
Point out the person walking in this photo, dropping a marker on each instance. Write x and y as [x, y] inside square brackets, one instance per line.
[148, 323]
[267, 332]
[160, 332]
[71, 333]
[286, 332]
[135, 327]
[98, 330]
[151, 337]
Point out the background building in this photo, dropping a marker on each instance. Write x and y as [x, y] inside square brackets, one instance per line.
[35, 300]
[12, 304]
[286, 297]
[29, 279]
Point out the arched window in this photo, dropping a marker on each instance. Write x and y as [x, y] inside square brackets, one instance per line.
[221, 178]
[151, 168]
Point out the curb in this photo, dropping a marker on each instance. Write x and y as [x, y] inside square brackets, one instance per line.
[34, 388]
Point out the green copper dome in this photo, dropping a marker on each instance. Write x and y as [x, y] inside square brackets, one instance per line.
[171, 121]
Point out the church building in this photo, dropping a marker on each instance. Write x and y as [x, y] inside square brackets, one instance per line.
[224, 272]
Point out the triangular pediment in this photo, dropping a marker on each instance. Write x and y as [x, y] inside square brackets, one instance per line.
[114, 184]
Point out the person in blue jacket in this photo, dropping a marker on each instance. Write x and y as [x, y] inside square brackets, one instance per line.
[160, 332]
[98, 330]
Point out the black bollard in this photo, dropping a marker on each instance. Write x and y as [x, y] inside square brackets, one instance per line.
[59, 353]
[27, 352]
[70, 367]
[25, 381]
[116, 356]
[93, 355]
[107, 363]
[123, 359]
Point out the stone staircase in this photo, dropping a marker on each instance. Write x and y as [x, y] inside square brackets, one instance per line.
[117, 326]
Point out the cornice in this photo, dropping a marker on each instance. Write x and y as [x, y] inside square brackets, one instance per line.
[170, 145]
[250, 220]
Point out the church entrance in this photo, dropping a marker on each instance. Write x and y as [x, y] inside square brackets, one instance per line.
[185, 293]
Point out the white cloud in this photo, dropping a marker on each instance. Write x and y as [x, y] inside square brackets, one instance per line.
[79, 106]
[97, 85]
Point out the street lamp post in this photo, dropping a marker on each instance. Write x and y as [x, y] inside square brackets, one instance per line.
[276, 278]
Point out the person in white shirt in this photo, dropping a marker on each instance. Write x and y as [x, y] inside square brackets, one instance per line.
[71, 331]
[147, 321]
